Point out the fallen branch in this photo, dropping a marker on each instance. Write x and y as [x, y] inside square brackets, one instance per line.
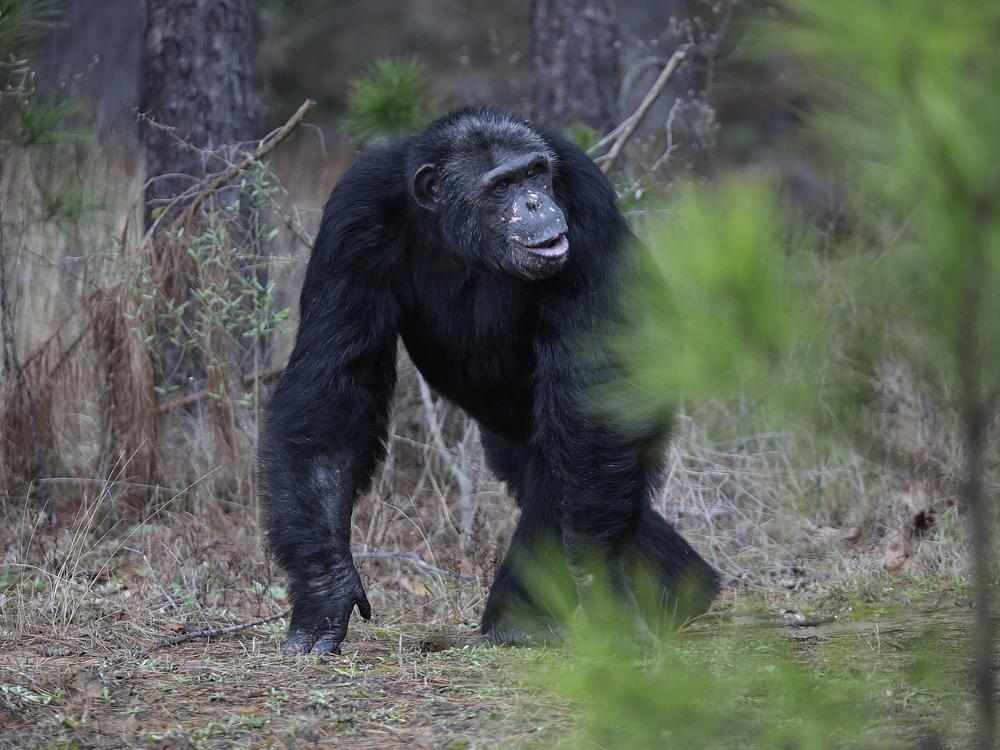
[416, 560]
[94, 481]
[629, 126]
[212, 632]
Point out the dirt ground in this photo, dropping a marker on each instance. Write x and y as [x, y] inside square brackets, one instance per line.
[396, 688]
[234, 692]
[86, 608]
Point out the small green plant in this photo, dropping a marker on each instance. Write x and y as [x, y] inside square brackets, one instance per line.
[230, 313]
[389, 98]
[21, 22]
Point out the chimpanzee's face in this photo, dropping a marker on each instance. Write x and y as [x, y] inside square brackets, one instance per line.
[496, 206]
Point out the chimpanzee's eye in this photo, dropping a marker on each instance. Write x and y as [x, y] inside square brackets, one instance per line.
[501, 187]
[533, 172]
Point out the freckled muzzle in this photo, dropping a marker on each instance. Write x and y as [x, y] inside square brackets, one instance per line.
[537, 225]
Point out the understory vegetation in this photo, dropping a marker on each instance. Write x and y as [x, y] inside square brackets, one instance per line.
[823, 377]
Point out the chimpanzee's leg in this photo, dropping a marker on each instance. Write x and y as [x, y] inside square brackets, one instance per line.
[533, 591]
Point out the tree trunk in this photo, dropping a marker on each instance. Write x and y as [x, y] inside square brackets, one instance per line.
[198, 95]
[198, 78]
[575, 58]
[93, 55]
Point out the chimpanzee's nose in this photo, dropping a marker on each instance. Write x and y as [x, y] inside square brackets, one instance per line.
[532, 204]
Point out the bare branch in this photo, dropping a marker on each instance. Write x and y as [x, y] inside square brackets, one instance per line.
[465, 485]
[629, 126]
[214, 182]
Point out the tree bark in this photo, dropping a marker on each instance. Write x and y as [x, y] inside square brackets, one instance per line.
[198, 95]
[575, 59]
[198, 78]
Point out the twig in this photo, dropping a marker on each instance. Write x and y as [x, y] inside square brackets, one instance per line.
[213, 183]
[258, 376]
[630, 125]
[266, 146]
[596, 149]
[664, 157]
[212, 632]
[416, 560]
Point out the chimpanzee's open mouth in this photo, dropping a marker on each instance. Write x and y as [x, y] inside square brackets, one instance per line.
[554, 247]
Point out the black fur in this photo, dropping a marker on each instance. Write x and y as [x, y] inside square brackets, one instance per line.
[411, 246]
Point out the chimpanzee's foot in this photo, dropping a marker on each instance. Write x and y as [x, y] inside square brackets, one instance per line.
[530, 608]
[672, 582]
[315, 644]
[322, 610]
[609, 602]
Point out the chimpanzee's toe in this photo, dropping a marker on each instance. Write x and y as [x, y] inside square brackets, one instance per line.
[298, 642]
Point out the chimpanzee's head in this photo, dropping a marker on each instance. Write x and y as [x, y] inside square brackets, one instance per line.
[487, 177]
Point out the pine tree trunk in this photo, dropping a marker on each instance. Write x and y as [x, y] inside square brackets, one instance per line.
[198, 95]
[575, 59]
[199, 79]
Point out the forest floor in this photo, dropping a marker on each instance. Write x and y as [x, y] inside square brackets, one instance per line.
[82, 663]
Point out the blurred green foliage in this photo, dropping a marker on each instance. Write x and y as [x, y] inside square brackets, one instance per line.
[714, 304]
[676, 700]
[390, 98]
[725, 298]
[40, 122]
[582, 135]
[35, 121]
[913, 117]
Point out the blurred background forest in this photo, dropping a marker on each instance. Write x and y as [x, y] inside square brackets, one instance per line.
[162, 171]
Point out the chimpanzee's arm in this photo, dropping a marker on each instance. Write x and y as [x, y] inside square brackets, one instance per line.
[326, 422]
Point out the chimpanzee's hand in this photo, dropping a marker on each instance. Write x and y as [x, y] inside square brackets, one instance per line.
[322, 608]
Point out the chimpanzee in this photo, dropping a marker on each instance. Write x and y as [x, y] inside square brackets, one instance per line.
[490, 247]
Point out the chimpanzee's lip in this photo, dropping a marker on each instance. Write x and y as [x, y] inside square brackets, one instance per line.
[553, 247]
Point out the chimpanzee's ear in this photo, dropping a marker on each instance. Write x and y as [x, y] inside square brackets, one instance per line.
[425, 187]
